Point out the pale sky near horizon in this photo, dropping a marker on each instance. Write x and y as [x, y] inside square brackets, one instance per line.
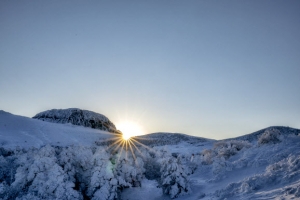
[214, 69]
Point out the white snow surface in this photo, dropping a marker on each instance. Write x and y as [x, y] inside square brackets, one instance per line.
[261, 165]
[24, 132]
[224, 171]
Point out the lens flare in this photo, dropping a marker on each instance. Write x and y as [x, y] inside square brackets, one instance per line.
[130, 129]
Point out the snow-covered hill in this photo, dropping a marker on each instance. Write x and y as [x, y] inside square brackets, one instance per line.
[281, 131]
[79, 117]
[76, 162]
[261, 165]
[161, 139]
[18, 131]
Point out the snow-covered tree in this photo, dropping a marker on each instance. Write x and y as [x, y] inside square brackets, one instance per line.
[40, 176]
[128, 167]
[73, 172]
[103, 185]
[173, 179]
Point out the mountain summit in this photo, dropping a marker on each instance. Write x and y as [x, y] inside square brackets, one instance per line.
[79, 117]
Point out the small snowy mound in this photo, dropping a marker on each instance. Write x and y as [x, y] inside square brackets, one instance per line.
[77, 117]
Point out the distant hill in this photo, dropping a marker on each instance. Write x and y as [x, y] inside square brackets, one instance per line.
[78, 117]
[280, 131]
[164, 138]
[161, 138]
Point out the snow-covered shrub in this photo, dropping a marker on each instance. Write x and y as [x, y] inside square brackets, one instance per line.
[5, 152]
[293, 191]
[72, 172]
[5, 169]
[269, 136]
[220, 165]
[103, 185]
[40, 176]
[173, 178]
[223, 149]
[188, 164]
[207, 156]
[76, 162]
[152, 167]
[284, 171]
[129, 168]
[229, 148]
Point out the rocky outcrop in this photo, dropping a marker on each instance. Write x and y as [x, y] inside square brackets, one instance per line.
[78, 117]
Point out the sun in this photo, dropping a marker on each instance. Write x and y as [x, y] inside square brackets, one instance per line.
[130, 129]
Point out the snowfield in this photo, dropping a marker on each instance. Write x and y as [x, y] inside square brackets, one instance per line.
[24, 132]
[43, 160]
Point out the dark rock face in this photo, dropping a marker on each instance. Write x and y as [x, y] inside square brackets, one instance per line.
[78, 117]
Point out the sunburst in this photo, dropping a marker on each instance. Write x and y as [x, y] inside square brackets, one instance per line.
[130, 129]
[125, 143]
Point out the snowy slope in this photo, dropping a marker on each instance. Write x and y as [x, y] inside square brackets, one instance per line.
[261, 165]
[26, 132]
[175, 143]
[79, 117]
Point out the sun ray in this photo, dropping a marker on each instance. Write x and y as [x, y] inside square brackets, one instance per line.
[111, 139]
[133, 154]
[137, 148]
[120, 154]
[116, 142]
[131, 150]
[142, 144]
[139, 151]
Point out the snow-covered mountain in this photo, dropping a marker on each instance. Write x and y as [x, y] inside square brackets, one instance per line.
[79, 117]
[42, 160]
[24, 132]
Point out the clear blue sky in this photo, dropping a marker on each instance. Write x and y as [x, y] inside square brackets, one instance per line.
[214, 69]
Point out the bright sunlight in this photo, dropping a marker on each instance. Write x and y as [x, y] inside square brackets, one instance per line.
[130, 129]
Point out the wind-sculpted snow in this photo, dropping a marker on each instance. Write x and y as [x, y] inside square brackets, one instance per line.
[77, 117]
